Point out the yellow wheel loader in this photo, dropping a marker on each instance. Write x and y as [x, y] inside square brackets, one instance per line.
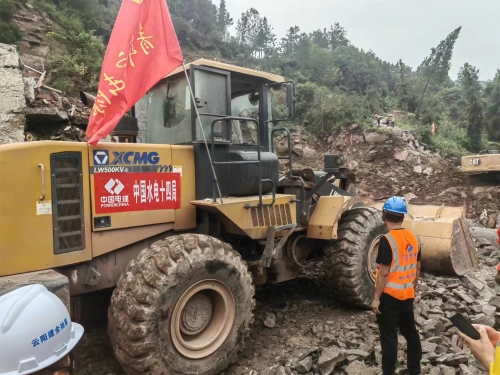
[187, 222]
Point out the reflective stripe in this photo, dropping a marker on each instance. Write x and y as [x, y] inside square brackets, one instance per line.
[399, 286]
[408, 267]
[395, 251]
[395, 286]
[395, 255]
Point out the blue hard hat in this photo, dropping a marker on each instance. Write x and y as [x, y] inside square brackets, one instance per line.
[395, 205]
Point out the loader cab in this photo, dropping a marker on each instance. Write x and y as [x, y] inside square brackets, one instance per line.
[258, 100]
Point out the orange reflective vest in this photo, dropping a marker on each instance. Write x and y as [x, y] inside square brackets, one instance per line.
[405, 247]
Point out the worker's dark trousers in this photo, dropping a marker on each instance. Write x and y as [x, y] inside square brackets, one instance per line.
[398, 314]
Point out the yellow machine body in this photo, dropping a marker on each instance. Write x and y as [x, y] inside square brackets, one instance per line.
[325, 218]
[29, 203]
[481, 163]
[254, 221]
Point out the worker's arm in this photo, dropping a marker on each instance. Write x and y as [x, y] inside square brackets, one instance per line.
[384, 260]
[383, 275]
[415, 283]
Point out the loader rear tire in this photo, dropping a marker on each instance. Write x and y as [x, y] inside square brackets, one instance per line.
[184, 305]
[348, 259]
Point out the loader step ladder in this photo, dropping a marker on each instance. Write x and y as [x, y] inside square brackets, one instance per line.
[258, 161]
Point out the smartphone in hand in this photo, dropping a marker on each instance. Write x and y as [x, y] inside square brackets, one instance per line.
[464, 326]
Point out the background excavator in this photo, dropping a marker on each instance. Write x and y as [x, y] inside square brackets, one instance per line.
[485, 164]
[186, 223]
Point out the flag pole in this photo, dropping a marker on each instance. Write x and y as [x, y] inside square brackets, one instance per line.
[202, 131]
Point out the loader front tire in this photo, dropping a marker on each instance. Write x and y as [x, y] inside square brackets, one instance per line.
[184, 305]
[348, 259]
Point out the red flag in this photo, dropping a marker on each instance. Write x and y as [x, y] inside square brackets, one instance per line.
[143, 49]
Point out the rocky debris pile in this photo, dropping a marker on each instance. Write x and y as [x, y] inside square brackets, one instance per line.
[300, 326]
[487, 198]
[488, 252]
[12, 102]
[53, 117]
[353, 348]
[31, 111]
[49, 113]
[391, 161]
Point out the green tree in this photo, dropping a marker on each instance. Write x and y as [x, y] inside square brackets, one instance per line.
[454, 105]
[437, 65]
[265, 39]
[224, 19]
[337, 37]
[80, 68]
[471, 88]
[290, 42]
[492, 97]
[359, 69]
[9, 31]
[201, 14]
[304, 52]
[320, 38]
[329, 111]
[403, 85]
[248, 28]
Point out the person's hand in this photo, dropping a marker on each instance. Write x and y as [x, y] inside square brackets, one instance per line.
[375, 305]
[482, 349]
[493, 334]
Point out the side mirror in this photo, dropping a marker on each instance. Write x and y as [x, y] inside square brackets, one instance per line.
[290, 99]
[283, 100]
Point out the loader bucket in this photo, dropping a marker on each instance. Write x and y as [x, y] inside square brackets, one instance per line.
[447, 246]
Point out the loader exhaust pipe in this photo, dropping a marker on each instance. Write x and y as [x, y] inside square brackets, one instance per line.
[87, 99]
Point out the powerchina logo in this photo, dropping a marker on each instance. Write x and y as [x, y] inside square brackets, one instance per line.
[102, 157]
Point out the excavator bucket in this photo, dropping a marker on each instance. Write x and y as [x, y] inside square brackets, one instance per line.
[447, 246]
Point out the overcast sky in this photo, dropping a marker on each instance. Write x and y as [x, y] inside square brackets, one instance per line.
[396, 29]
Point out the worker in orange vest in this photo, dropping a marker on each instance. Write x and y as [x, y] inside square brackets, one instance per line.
[398, 271]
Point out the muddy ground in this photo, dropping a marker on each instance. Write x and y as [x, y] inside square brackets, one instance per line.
[297, 305]
[297, 321]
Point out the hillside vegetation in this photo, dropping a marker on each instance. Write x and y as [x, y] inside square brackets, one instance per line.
[337, 83]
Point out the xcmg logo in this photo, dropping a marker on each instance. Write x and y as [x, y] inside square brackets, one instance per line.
[102, 157]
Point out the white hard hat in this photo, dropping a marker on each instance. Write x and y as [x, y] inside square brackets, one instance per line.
[35, 330]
